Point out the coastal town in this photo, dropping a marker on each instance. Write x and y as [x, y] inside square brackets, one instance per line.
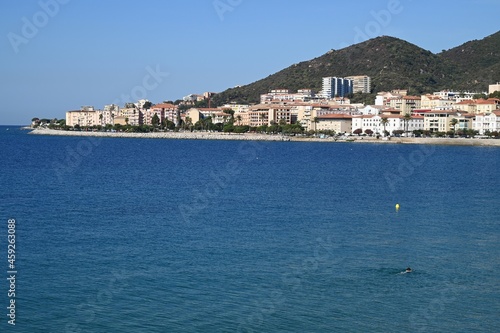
[304, 112]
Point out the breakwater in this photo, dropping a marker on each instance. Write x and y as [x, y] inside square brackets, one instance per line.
[186, 135]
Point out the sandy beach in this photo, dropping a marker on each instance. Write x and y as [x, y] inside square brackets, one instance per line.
[265, 137]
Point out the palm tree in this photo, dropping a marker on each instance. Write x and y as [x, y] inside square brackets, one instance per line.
[155, 121]
[208, 123]
[454, 123]
[238, 119]
[263, 116]
[384, 121]
[189, 122]
[315, 122]
[406, 119]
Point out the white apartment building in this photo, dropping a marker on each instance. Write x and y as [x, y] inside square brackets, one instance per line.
[405, 104]
[361, 83]
[394, 123]
[335, 86]
[339, 123]
[487, 122]
[305, 116]
[479, 105]
[285, 95]
[489, 105]
[87, 108]
[258, 115]
[105, 117]
[277, 95]
[220, 118]
[372, 110]
[236, 107]
[456, 96]
[382, 97]
[140, 104]
[132, 116]
[109, 113]
[164, 111]
[440, 121]
[436, 102]
[280, 114]
[82, 118]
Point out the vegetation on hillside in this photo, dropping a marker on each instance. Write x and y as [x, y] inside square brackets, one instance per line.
[478, 60]
[391, 63]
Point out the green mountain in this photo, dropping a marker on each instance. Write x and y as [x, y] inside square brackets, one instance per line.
[479, 62]
[391, 63]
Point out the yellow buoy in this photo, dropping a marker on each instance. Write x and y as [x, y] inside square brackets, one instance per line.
[397, 207]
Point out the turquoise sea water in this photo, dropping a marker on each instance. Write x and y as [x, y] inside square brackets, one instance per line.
[126, 235]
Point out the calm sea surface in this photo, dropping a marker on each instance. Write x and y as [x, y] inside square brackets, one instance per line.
[131, 235]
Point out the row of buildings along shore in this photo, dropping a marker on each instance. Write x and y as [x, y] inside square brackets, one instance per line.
[325, 111]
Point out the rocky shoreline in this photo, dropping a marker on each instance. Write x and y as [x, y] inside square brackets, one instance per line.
[266, 137]
[167, 135]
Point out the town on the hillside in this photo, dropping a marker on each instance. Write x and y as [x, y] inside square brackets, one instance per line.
[328, 112]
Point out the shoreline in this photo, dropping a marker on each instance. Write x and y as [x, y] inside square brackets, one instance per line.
[266, 137]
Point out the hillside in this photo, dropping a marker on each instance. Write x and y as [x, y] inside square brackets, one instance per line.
[391, 63]
[479, 61]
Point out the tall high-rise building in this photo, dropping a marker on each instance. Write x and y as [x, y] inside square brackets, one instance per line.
[361, 83]
[335, 86]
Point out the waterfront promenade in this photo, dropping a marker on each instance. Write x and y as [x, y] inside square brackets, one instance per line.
[266, 137]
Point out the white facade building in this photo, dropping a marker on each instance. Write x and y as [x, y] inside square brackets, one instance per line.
[236, 107]
[394, 123]
[284, 95]
[360, 83]
[82, 118]
[371, 110]
[335, 86]
[487, 122]
[133, 116]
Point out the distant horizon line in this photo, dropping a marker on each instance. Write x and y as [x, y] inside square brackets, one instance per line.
[2, 125]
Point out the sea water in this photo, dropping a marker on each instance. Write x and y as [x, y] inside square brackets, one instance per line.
[138, 235]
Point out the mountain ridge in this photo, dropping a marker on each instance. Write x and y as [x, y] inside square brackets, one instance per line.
[392, 63]
[478, 58]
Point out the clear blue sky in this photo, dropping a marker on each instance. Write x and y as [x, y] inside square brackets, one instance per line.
[95, 52]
